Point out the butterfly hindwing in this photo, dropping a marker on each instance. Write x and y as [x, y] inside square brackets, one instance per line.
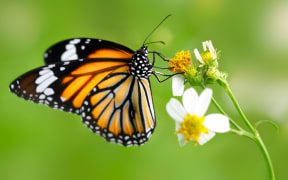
[120, 109]
[65, 85]
[79, 48]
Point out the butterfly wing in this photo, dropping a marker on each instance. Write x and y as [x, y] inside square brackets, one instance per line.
[91, 77]
[120, 109]
[65, 85]
[79, 48]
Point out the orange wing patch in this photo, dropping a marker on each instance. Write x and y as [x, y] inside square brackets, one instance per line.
[115, 123]
[136, 103]
[122, 91]
[128, 129]
[101, 107]
[111, 81]
[74, 87]
[110, 53]
[77, 102]
[145, 109]
[105, 116]
[97, 97]
[66, 79]
[94, 67]
[149, 95]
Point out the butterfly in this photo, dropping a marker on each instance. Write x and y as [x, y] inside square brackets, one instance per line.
[106, 83]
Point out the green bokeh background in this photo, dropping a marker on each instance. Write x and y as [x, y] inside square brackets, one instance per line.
[37, 142]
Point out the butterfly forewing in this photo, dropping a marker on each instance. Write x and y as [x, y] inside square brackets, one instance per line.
[79, 48]
[65, 85]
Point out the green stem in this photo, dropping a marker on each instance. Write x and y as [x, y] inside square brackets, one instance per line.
[257, 137]
[237, 106]
[265, 152]
[223, 112]
[243, 133]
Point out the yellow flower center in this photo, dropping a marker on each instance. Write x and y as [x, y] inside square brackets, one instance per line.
[181, 62]
[192, 127]
[206, 56]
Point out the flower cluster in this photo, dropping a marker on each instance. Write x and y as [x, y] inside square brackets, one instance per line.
[205, 73]
[191, 124]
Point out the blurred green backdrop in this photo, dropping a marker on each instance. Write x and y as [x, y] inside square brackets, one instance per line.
[40, 143]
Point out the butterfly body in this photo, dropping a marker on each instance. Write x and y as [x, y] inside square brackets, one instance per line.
[104, 82]
[140, 63]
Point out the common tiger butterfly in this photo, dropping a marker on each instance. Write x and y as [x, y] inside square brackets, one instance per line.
[104, 82]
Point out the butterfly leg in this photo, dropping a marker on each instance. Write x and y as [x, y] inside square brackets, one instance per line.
[163, 57]
[168, 76]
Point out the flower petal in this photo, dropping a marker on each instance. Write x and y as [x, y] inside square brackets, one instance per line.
[206, 137]
[203, 102]
[176, 110]
[189, 99]
[198, 56]
[204, 44]
[211, 49]
[178, 85]
[181, 138]
[217, 122]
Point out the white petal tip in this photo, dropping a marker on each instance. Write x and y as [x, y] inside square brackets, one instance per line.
[178, 85]
[198, 56]
[176, 110]
[217, 123]
[205, 137]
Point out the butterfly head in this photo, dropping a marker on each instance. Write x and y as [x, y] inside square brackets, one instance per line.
[143, 50]
[140, 65]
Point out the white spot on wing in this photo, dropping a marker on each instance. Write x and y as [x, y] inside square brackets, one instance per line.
[62, 99]
[44, 76]
[70, 53]
[42, 96]
[87, 41]
[45, 84]
[51, 65]
[48, 91]
[44, 71]
[74, 41]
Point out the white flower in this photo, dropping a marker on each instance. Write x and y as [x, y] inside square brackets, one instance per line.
[209, 45]
[191, 124]
[208, 54]
[178, 85]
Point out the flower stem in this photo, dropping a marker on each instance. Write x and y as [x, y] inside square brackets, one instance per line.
[237, 106]
[223, 112]
[257, 137]
[243, 133]
[266, 155]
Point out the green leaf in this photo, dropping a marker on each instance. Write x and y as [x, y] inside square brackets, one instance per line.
[266, 121]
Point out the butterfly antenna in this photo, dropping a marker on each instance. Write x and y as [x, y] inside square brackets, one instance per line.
[156, 28]
[162, 42]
